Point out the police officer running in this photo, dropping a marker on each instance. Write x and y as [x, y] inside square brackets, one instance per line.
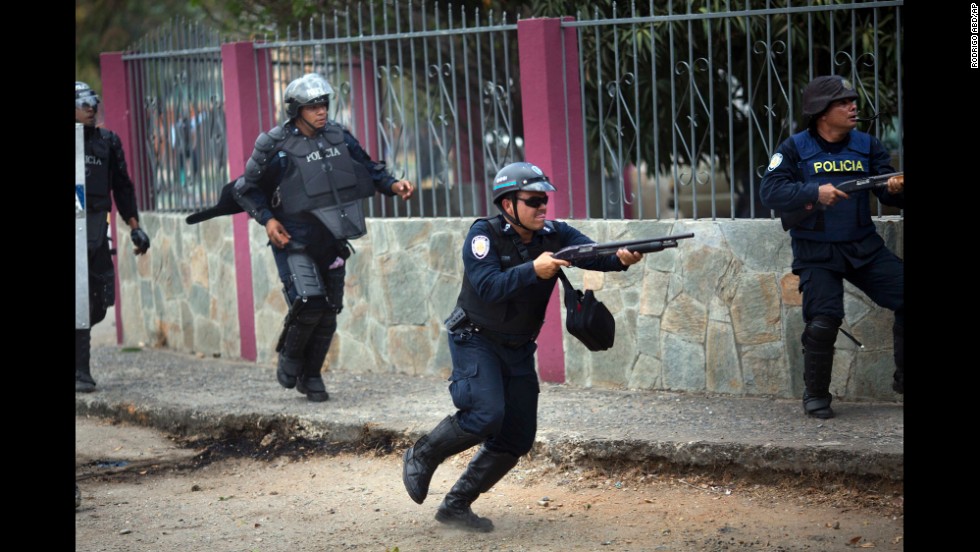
[509, 276]
[305, 182]
[106, 180]
[838, 241]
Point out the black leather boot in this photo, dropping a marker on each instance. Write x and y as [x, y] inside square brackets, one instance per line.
[292, 353]
[288, 370]
[818, 362]
[898, 379]
[83, 354]
[310, 381]
[816, 376]
[483, 472]
[313, 387]
[422, 459]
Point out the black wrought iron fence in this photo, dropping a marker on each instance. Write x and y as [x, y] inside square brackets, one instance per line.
[179, 124]
[683, 102]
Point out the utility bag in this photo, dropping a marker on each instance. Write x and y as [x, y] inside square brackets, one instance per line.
[587, 318]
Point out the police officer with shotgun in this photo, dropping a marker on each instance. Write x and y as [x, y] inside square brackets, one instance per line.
[509, 275]
[837, 241]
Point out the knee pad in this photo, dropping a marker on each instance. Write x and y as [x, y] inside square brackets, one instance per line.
[305, 276]
[820, 334]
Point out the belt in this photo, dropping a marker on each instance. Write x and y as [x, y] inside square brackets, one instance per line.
[497, 338]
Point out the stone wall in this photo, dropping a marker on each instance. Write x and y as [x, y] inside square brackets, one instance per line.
[719, 314]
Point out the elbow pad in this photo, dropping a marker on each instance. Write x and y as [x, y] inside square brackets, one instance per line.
[240, 192]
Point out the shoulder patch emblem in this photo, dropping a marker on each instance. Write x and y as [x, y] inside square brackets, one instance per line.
[480, 246]
[775, 161]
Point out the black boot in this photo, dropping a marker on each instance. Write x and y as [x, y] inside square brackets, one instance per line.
[83, 354]
[898, 380]
[288, 370]
[291, 354]
[313, 387]
[816, 376]
[818, 362]
[310, 381]
[483, 472]
[420, 461]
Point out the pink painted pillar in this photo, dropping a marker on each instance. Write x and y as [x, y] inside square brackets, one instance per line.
[553, 132]
[244, 90]
[117, 115]
[363, 95]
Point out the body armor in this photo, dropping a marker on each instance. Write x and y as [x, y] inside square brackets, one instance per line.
[524, 313]
[848, 220]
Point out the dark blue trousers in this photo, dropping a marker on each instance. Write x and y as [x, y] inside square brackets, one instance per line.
[495, 389]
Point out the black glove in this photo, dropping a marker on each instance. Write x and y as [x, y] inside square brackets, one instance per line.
[140, 240]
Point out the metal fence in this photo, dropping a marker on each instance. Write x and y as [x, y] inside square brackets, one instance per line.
[432, 94]
[179, 124]
[683, 102]
[686, 111]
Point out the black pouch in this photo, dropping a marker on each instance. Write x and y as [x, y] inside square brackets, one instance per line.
[456, 320]
[587, 318]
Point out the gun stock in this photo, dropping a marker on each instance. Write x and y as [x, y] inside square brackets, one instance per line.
[791, 219]
[593, 250]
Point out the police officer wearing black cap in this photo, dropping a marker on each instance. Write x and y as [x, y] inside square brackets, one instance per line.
[509, 275]
[838, 241]
[106, 180]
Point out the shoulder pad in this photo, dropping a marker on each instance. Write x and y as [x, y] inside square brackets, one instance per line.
[268, 140]
[278, 133]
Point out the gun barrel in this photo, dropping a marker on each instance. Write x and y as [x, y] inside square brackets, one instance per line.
[647, 245]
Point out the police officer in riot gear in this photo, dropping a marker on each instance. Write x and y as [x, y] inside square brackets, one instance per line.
[305, 182]
[509, 276]
[106, 180]
[838, 241]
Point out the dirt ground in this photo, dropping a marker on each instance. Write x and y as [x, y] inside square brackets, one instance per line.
[146, 491]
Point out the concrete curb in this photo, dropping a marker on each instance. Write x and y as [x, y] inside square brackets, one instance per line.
[185, 395]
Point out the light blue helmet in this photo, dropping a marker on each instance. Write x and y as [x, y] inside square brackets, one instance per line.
[519, 176]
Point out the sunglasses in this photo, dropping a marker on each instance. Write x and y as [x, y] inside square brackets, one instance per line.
[535, 201]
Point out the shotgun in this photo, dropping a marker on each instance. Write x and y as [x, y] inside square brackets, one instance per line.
[592, 250]
[791, 219]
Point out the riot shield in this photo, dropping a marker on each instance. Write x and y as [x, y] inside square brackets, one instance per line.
[81, 234]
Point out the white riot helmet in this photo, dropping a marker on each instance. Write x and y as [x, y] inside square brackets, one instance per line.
[310, 89]
[85, 96]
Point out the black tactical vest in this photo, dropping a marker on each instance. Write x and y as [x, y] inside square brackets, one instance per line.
[524, 313]
[321, 172]
[97, 153]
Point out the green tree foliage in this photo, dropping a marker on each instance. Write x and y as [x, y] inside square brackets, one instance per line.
[113, 25]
